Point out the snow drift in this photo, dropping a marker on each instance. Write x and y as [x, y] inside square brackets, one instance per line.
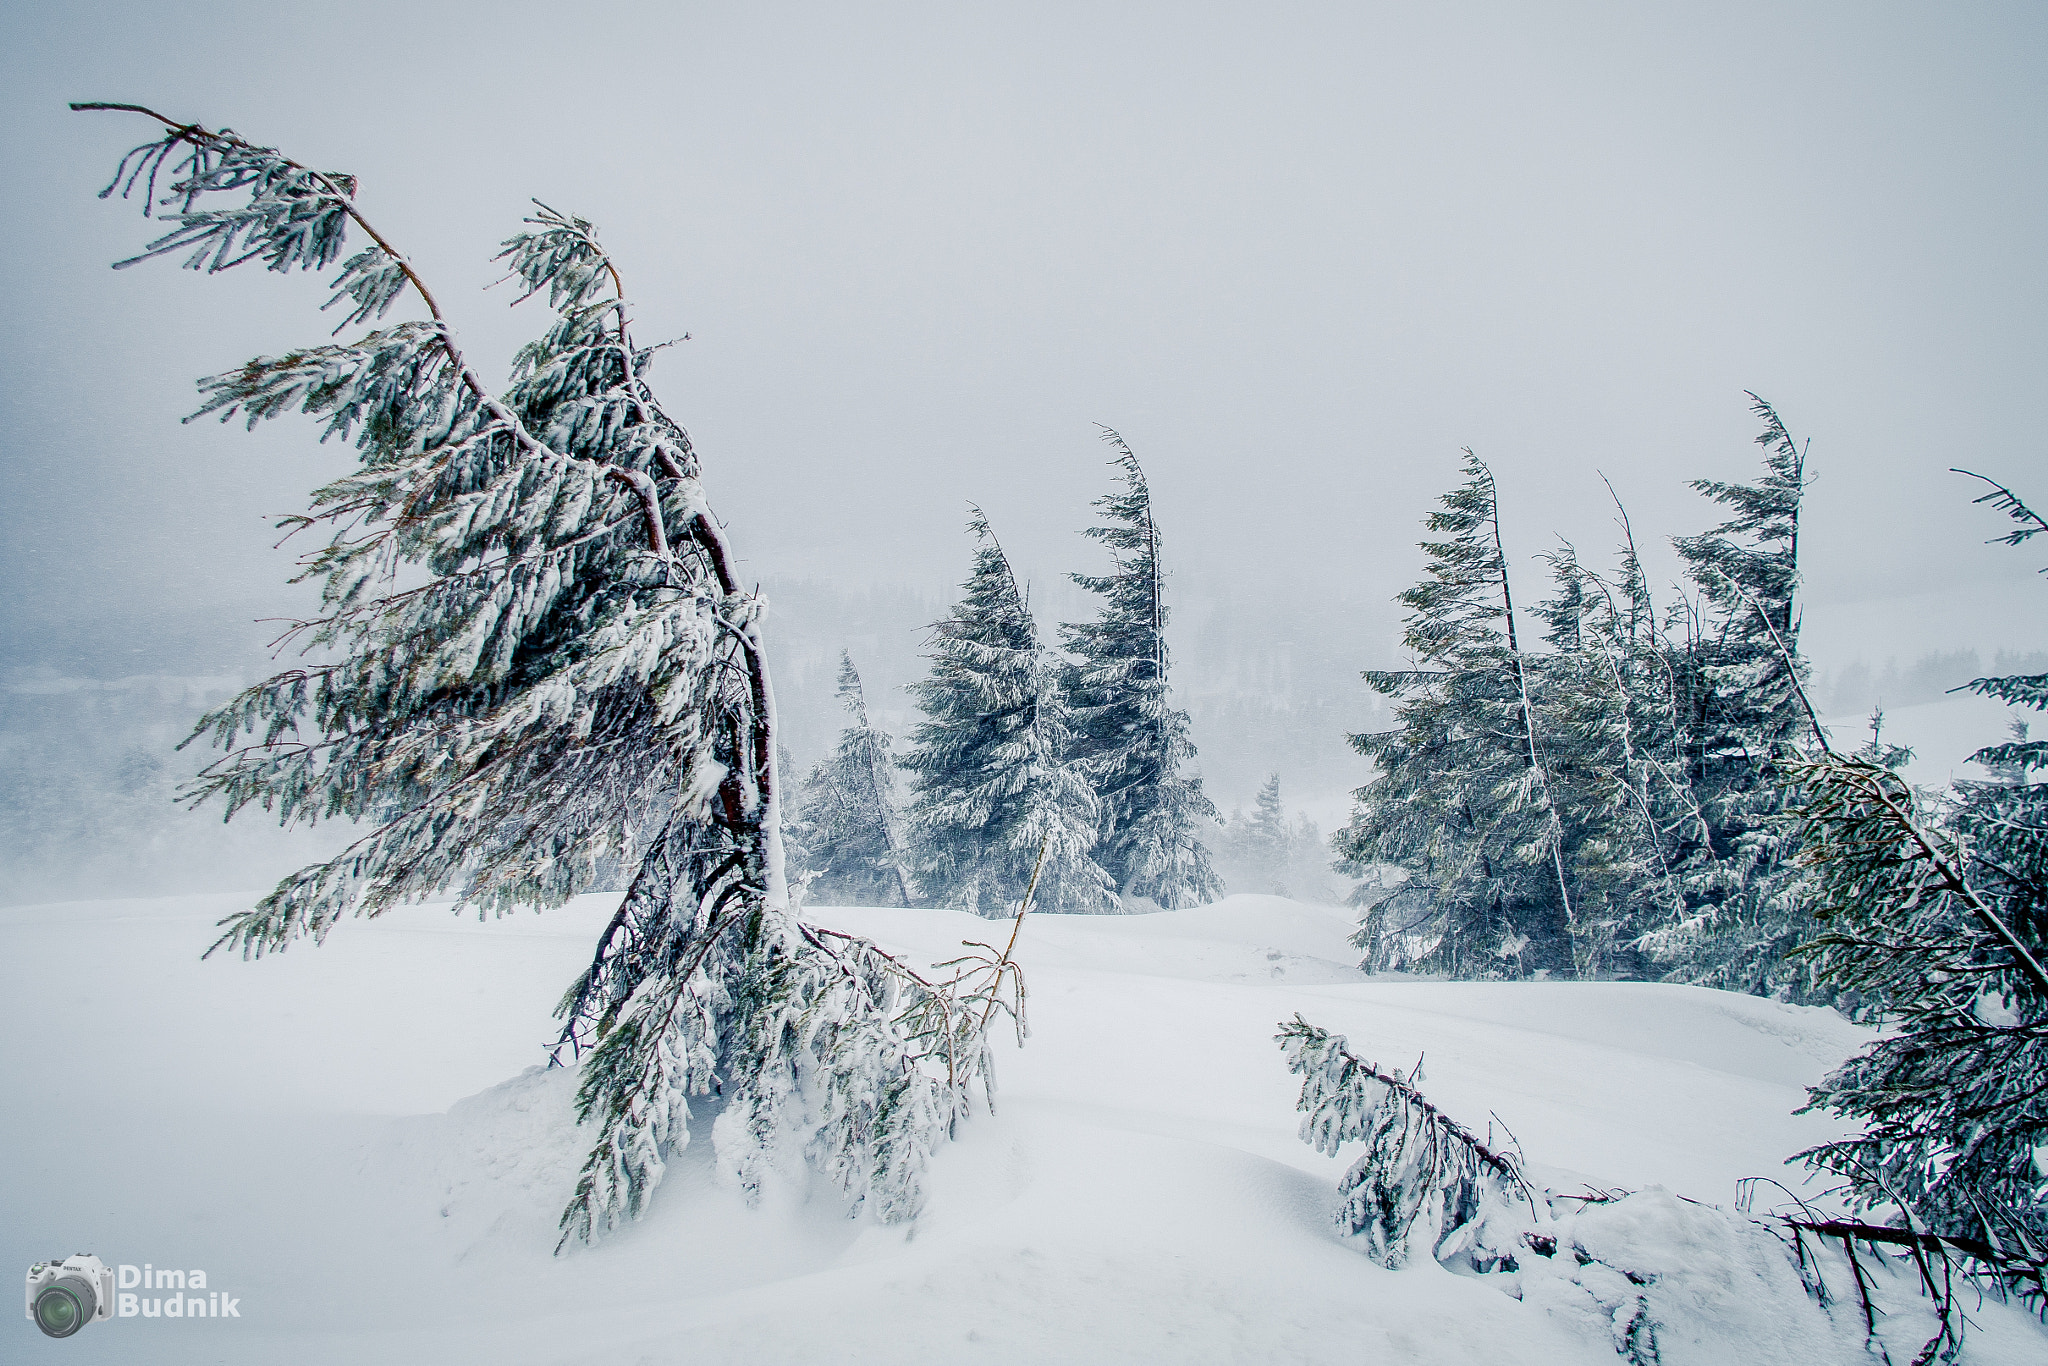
[330, 1133]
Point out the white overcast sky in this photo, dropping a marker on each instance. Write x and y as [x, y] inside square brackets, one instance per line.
[1299, 253]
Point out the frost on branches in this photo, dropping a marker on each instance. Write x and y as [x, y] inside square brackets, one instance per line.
[849, 844]
[1942, 917]
[1131, 742]
[1608, 713]
[1738, 676]
[570, 679]
[1463, 799]
[1419, 1166]
[994, 782]
[1614, 805]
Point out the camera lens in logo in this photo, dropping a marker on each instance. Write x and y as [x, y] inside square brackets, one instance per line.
[64, 1306]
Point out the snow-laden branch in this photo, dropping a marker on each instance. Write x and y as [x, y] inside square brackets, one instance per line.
[1420, 1165]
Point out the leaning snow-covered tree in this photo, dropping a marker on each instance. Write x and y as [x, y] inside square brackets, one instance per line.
[1738, 680]
[1420, 1166]
[533, 660]
[1462, 800]
[1944, 921]
[994, 791]
[1130, 740]
[1617, 767]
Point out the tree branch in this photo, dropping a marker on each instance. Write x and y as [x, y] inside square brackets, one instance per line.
[199, 136]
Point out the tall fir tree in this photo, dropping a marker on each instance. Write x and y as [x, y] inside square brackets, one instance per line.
[1268, 840]
[994, 785]
[1461, 802]
[570, 680]
[850, 846]
[1130, 741]
[1738, 677]
[1602, 707]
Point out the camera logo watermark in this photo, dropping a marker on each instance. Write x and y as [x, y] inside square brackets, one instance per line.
[64, 1296]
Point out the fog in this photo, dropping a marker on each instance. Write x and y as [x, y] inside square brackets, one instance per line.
[1299, 255]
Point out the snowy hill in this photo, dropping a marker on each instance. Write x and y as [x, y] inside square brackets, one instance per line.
[331, 1135]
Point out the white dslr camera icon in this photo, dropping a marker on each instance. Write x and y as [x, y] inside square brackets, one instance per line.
[65, 1296]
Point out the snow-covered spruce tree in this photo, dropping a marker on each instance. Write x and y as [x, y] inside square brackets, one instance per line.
[1268, 840]
[571, 677]
[1462, 801]
[1582, 721]
[1738, 692]
[1129, 740]
[1604, 710]
[1653, 760]
[850, 843]
[993, 782]
[1944, 922]
[997, 801]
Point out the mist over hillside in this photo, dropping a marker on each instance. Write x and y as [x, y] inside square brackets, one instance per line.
[91, 715]
[1269, 678]
[91, 719]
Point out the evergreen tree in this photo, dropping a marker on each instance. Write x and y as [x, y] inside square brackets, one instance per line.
[1132, 744]
[994, 783]
[849, 844]
[1268, 840]
[2012, 770]
[1603, 709]
[1272, 854]
[1310, 864]
[1738, 679]
[1944, 922]
[1462, 801]
[572, 680]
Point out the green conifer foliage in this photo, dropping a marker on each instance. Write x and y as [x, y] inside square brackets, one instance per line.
[1130, 741]
[1738, 680]
[1461, 802]
[993, 779]
[1941, 920]
[532, 665]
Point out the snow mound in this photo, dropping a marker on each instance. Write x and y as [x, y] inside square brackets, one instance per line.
[1238, 939]
[321, 1132]
[1680, 1283]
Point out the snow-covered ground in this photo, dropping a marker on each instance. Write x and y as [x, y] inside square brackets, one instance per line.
[346, 1140]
